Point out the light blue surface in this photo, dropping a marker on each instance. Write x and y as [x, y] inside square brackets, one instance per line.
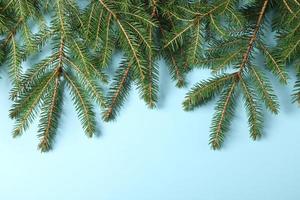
[160, 154]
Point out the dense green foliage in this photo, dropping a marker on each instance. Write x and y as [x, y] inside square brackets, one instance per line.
[224, 36]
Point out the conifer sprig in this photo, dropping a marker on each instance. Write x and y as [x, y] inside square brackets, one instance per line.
[14, 20]
[237, 51]
[68, 67]
[289, 40]
[129, 27]
[224, 36]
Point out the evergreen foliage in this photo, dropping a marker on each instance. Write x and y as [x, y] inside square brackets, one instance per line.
[224, 36]
[237, 51]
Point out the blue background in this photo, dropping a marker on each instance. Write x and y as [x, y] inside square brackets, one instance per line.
[160, 154]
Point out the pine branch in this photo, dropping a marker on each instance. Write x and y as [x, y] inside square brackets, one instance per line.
[223, 36]
[42, 86]
[205, 91]
[91, 85]
[82, 105]
[254, 35]
[265, 91]
[224, 113]
[234, 52]
[296, 94]
[175, 65]
[254, 110]
[275, 64]
[24, 110]
[14, 57]
[50, 117]
[118, 91]
[289, 44]
[133, 46]
[149, 86]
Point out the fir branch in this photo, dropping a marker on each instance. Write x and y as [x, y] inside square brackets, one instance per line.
[296, 92]
[118, 91]
[107, 47]
[224, 113]
[223, 36]
[15, 57]
[95, 91]
[254, 110]
[82, 104]
[205, 91]
[42, 86]
[175, 66]
[132, 44]
[149, 86]
[254, 35]
[264, 88]
[24, 109]
[275, 64]
[222, 55]
[50, 117]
